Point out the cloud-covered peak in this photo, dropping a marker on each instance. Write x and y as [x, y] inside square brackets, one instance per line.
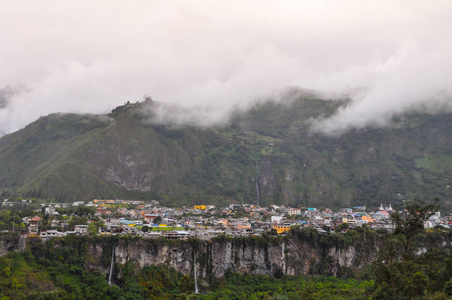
[210, 58]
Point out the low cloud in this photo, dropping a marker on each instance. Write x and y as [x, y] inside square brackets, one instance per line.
[208, 59]
[175, 115]
[415, 79]
[5, 95]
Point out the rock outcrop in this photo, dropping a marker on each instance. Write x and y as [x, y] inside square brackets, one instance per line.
[263, 256]
[9, 243]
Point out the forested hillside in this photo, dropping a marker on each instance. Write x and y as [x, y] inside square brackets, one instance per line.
[268, 150]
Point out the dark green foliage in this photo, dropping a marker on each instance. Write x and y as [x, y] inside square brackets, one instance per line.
[412, 221]
[382, 231]
[364, 236]
[401, 272]
[237, 286]
[342, 227]
[11, 218]
[187, 285]
[448, 288]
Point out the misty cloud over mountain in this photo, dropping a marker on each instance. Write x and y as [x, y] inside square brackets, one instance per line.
[5, 94]
[208, 59]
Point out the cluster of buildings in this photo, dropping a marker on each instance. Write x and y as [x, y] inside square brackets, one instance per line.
[150, 220]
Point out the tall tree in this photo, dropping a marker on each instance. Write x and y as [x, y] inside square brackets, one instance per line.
[411, 221]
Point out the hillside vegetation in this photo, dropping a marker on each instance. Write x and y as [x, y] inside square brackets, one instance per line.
[126, 154]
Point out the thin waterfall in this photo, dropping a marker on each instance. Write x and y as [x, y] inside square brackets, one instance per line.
[257, 185]
[111, 265]
[283, 257]
[194, 271]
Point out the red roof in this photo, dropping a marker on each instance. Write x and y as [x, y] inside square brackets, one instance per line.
[36, 219]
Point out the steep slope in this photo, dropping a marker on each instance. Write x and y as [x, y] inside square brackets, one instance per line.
[127, 155]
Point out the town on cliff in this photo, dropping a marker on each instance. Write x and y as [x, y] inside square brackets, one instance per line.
[151, 220]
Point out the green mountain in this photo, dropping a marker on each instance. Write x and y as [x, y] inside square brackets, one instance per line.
[269, 148]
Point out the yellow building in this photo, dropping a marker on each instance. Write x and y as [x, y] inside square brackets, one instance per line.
[281, 228]
[201, 207]
[368, 219]
[223, 222]
[243, 226]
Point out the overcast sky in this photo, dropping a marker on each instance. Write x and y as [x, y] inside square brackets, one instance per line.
[90, 56]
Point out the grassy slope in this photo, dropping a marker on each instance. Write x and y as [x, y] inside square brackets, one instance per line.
[82, 157]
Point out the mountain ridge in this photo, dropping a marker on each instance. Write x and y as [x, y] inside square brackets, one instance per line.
[126, 154]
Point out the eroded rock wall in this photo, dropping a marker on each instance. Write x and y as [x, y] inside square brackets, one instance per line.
[215, 257]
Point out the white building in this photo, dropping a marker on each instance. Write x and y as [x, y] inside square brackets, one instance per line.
[81, 229]
[276, 219]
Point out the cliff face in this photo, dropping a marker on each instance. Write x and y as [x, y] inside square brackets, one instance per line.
[12, 243]
[302, 251]
[291, 256]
